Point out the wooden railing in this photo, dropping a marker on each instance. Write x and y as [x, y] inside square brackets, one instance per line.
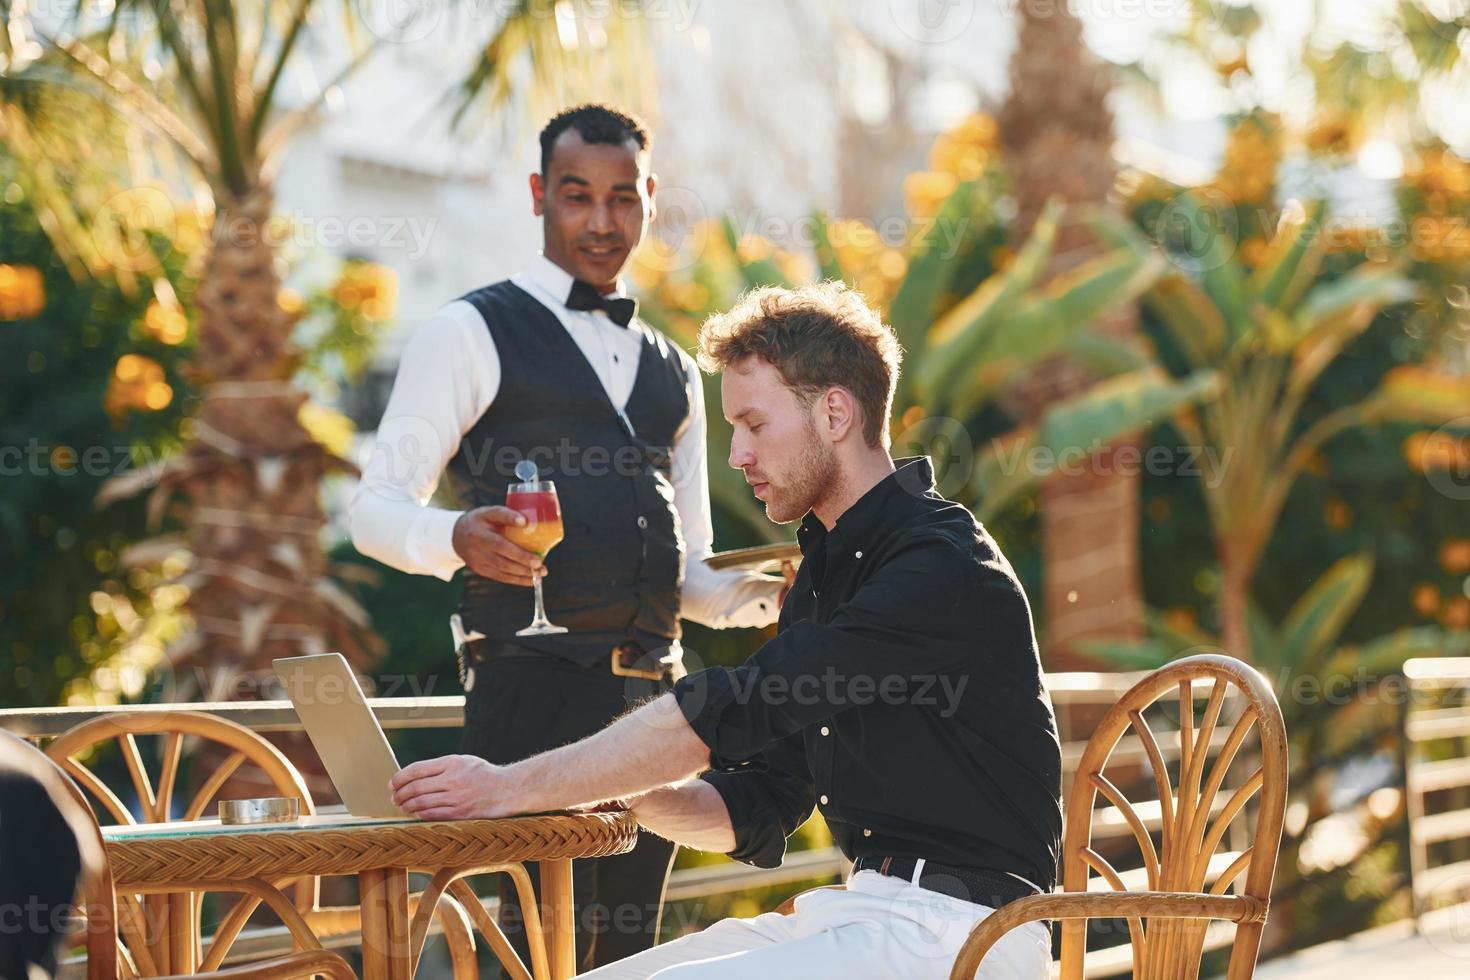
[1437, 779]
[1078, 698]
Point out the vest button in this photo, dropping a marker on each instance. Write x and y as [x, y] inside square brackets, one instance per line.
[824, 799]
[643, 523]
[826, 730]
[867, 832]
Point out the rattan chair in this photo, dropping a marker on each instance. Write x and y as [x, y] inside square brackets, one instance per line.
[1185, 890]
[107, 959]
[1167, 922]
[241, 748]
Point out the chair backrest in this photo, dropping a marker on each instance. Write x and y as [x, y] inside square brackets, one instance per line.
[240, 746]
[1191, 813]
[93, 892]
[148, 921]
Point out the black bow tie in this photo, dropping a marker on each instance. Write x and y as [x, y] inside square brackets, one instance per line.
[586, 297]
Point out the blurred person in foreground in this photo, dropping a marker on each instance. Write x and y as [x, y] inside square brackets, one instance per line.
[554, 368]
[902, 695]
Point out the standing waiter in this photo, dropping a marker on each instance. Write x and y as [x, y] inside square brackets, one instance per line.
[554, 367]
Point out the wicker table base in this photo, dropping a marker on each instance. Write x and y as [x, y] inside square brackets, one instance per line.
[172, 859]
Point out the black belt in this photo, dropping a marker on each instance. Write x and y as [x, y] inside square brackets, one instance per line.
[480, 651]
[627, 659]
[989, 888]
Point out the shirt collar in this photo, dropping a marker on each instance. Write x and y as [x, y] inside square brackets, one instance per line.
[557, 281]
[878, 509]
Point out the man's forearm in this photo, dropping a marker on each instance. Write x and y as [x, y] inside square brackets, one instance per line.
[692, 814]
[649, 747]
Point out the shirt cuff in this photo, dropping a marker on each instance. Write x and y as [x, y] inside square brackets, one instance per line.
[760, 840]
[729, 598]
[430, 543]
[762, 610]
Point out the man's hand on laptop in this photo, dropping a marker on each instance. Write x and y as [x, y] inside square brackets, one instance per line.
[454, 787]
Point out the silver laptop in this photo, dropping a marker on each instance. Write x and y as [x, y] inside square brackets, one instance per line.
[344, 730]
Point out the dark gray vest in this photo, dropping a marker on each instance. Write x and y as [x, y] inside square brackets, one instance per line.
[618, 573]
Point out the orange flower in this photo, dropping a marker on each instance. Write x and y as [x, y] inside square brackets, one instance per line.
[1252, 153]
[166, 324]
[1331, 136]
[1442, 177]
[1430, 451]
[1455, 613]
[1337, 514]
[1425, 599]
[137, 384]
[1454, 555]
[22, 292]
[1254, 251]
[925, 191]
[367, 288]
[1435, 238]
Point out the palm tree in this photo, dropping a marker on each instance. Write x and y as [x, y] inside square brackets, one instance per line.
[962, 343]
[1270, 332]
[200, 80]
[1058, 134]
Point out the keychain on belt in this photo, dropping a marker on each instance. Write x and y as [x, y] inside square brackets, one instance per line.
[461, 639]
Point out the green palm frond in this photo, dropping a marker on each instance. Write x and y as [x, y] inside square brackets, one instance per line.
[541, 58]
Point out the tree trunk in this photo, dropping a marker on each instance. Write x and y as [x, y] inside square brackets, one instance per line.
[1235, 586]
[251, 475]
[1058, 135]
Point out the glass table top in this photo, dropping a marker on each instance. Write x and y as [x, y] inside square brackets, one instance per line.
[332, 818]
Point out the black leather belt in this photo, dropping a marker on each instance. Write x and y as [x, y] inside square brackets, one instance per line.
[989, 888]
[626, 659]
[479, 651]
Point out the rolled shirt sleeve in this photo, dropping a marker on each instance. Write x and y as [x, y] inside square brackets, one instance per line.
[767, 800]
[893, 633]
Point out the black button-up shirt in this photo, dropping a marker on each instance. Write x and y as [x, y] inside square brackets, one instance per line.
[902, 695]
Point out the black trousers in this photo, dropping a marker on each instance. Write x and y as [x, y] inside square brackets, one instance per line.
[519, 706]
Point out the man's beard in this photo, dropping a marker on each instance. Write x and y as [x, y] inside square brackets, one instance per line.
[814, 474]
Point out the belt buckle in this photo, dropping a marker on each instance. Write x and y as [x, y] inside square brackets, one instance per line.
[625, 658]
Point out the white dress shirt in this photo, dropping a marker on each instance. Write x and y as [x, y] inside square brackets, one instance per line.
[449, 376]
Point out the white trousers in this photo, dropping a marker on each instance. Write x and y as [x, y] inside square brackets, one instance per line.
[877, 928]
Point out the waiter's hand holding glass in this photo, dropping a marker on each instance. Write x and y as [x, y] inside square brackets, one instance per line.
[536, 500]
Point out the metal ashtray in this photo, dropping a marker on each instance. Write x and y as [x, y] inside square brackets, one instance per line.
[267, 809]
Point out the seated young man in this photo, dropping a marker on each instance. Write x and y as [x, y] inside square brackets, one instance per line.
[902, 695]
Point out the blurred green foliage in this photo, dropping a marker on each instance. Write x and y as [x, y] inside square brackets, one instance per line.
[59, 443]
